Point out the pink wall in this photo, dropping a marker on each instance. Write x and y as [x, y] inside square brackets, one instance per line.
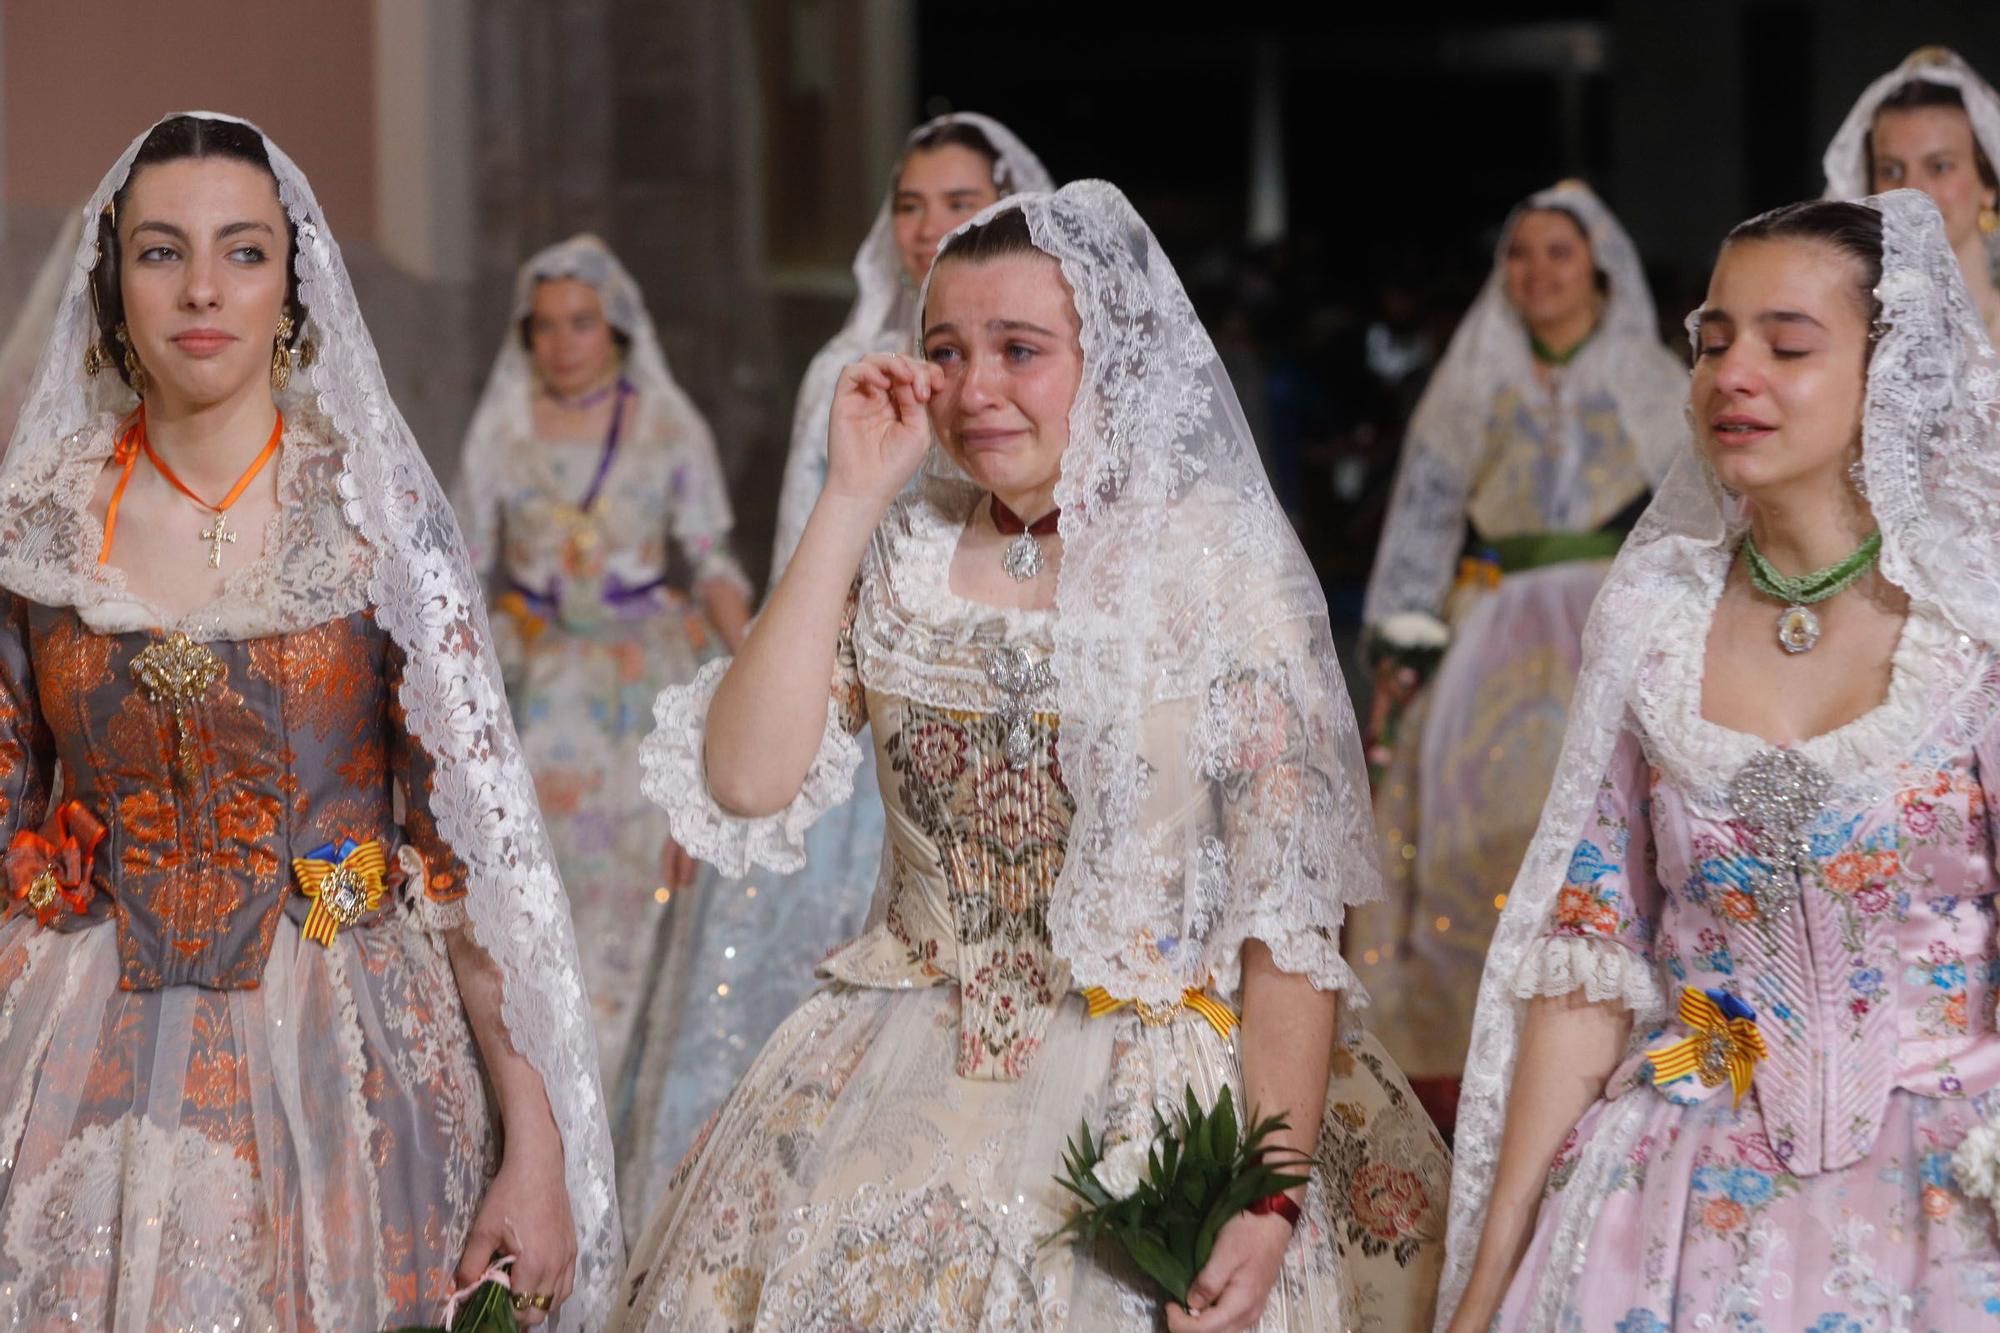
[80, 78]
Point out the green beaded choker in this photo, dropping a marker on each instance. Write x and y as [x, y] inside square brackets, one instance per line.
[1798, 628]
[1549, 356]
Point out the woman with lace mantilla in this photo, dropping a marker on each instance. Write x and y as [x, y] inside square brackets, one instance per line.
[1126, 784]
[256, 953]
[1735, 1059]
[1534, 447]
[590, 490]
[1932, 124]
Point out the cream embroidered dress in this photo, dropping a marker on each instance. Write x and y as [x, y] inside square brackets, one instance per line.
[888, 1162]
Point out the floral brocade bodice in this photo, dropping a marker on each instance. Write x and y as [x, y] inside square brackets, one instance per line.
[1866, 952]
[1553, 464]
[977, 823]
[210, 768]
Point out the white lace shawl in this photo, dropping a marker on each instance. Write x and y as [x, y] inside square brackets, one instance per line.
[1933, 482]
[880, 321]
[1846, 160]
[398, 551]
[502, 428]
[1191, 651]
[1445, 444]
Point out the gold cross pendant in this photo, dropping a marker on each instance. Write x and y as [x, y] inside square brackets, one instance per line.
[216, 536]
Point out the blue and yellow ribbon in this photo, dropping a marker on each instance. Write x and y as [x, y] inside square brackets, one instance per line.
[1219, 1015]
[1725, 1044]
[344, 881]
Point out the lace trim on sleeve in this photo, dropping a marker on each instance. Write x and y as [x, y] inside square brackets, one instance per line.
[434, 916]
[1602, 970]
[675, 780]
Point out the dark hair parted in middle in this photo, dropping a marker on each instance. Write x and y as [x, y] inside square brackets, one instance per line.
[1855, 230]
[1005, 233]
[958, 134]
[173, 140]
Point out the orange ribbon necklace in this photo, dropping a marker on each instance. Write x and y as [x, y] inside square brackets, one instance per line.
[134, 442]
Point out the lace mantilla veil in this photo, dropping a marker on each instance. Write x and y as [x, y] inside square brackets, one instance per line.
[503, 419]
[22, 350]
[1846, 161]
[1624, 361]
[1933, 482]
[1194, 668]
[403, 556]
[879, 321]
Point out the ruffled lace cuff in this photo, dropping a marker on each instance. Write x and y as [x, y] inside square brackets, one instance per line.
[1304, 950]
[1601, 969]
[435, 916]
[676, 781]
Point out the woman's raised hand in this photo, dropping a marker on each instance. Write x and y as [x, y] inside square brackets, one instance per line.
[879, 430]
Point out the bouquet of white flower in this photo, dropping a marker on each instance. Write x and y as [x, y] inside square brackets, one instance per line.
[1164, 1199]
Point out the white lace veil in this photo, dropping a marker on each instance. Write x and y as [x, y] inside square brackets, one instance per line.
[1194, 667]
[1933, 482]
[426, 597]
[1624, 361]
[503, 420]
[1846, 161]
[879, 321]
[33, 318]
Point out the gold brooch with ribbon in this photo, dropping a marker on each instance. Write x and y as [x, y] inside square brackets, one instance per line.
[1724, 1046]
[344, 881]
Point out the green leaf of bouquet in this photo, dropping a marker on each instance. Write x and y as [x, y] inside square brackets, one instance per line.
[491, 1310]
[1182, 1228]
[1231, 1202]
[1157, 1262]
[1224, 1127]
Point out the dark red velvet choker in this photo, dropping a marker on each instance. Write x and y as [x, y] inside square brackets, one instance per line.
[1009, 523]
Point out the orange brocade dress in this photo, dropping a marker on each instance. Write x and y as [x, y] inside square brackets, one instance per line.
[224, 1102]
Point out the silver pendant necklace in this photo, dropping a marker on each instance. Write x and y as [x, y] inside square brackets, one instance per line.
[1023, 559]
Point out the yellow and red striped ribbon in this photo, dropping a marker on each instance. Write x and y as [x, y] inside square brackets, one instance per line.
[365, 862]
[1219, 1015]
[1725, 1042]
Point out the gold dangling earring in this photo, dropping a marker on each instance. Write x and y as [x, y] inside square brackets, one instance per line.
[135, 369]
[95, 359]
[1989, 219]
[281, 354]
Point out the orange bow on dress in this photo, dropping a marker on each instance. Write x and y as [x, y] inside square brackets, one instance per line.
[49, 874]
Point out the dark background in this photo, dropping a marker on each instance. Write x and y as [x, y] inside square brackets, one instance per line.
[1408, 133]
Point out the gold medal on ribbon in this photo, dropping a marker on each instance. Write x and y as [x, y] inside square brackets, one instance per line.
[345, 883]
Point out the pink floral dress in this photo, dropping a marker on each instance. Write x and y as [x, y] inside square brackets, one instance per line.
[1821, 917]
